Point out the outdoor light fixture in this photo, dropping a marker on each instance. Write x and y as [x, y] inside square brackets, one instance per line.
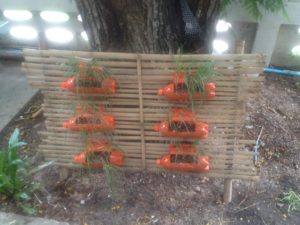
[299, 30]
[59, 35]
[220, 46]
[17, 15]
[54, 16]
[296, 50]
[84, 35]
[79, 18]
[222, 26]
[23, 32]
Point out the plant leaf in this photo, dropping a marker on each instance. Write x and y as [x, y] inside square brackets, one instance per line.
[40, 167]
[18, 144]
[12, 169]
[14, 138]
[23, 195]
[19, 162]
[34, 186]
[28, 210]
[6, 185]
[3, 159]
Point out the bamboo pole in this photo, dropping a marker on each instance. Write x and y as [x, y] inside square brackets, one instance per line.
[109, 55]
[240, 48]
[141, 106]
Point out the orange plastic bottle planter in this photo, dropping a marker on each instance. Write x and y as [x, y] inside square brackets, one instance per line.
[184, 158]
[183, 124]
[88, 121]
[97, 153]
[89, 81]
[177, 90]
[89, 85]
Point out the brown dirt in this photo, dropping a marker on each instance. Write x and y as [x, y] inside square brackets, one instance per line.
[165, 198]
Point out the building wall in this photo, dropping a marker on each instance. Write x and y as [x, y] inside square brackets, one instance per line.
[288, 36]
[272, 38]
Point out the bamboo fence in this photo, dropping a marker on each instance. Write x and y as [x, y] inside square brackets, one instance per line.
[137, 107]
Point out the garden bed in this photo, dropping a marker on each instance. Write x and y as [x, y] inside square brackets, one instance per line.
[165, 198]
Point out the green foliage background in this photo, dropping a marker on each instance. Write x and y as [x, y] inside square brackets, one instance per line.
[256, 8]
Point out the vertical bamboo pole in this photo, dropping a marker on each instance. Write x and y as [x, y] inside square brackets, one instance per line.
[141, 105]
[227, 194]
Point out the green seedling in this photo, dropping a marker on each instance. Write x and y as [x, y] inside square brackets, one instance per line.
[15, 175]
[291, 199]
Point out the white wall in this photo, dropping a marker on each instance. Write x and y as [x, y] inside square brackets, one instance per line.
[287, 38]
[268, 32]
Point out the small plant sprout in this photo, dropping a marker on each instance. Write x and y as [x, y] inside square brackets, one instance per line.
[191, 82]
[88, 67]
[98, 153]
[183, 124]
[88, 78]
[196, 80]
[291, 199]
[115, 181]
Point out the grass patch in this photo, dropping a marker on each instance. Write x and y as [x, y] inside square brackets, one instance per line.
[291, 199]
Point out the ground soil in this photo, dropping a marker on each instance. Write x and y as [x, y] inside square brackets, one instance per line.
[164, 198]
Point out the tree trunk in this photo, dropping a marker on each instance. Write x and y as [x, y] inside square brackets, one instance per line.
[148, 26]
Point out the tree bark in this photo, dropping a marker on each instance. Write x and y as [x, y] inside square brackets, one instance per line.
[147, 26]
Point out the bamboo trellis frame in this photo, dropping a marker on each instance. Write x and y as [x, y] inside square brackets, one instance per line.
[137, 107]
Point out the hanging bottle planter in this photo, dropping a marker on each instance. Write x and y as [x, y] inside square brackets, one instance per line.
[89, 121]
[184, 88]
[98, 153]
[90, 80]
[183, 124]
[184, 157]
[89, 85]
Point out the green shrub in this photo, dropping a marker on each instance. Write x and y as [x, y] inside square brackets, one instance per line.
[10, 165]
[15, 179]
